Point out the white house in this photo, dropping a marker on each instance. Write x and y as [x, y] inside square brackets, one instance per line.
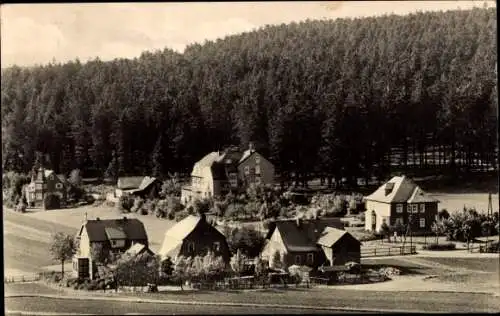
[400, 199]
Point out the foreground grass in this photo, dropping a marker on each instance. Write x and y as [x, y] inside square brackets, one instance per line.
[123, 308]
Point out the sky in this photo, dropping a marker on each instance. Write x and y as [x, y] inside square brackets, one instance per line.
[39, 33]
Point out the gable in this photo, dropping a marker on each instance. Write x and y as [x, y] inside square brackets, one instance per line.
[396, 190]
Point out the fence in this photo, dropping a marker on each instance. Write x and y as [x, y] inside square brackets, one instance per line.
[22, 278]
[388, 251]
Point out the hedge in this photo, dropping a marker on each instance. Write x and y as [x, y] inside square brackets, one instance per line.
[448, 246]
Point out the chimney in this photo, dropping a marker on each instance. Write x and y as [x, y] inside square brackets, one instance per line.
[251, 147]
[97, 219]
[124, 218]
[297, 221]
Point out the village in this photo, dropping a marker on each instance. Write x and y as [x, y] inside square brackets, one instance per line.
[274, 240]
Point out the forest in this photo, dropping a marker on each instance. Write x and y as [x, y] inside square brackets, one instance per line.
[342, 98]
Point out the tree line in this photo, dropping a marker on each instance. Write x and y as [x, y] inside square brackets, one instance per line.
[343, 98]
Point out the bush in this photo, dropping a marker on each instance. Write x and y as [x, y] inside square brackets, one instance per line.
[21, 207]
[89, 199]
[125, 203]
[367, 236]
[180, 216]
[138, 202]
[437, 247]
[493, 247]
[52, 202]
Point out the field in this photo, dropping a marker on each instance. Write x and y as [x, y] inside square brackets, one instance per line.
[453, 202]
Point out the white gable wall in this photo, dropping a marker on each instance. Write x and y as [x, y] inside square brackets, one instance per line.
[382, 210]
[274, 244]
[84, 244]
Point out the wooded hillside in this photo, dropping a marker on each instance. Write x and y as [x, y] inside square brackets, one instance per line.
[345, 98]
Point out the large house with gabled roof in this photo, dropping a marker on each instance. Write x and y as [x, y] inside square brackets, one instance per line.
[219, 173]
[113, 236]
[400, 199]
[45, 182]
[314, 243]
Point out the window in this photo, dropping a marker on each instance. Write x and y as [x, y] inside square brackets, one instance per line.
[257, 180]
[310, 258]
[422, 208]
[217, 246]
[191, 247]
[257, 159]
[247, 169]
[413, 208]
[399, 208]
[257, 169]
[59, 186]
[297, 259]
[422, 223]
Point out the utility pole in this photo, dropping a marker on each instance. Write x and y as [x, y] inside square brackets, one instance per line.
[489, 216]
[410, 221]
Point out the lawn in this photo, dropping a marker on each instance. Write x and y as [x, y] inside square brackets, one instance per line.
[453, 202]
[74, 217]
[28, 288]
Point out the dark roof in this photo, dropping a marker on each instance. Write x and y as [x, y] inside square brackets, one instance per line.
[318, 224]
[125, 183]
[303, 235]
[296, 238]
[128, 228]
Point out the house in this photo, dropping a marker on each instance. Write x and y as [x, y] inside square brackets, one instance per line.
[44, 183]
[219, 173]
[397, 199]
[194, 236]
[112, 236]
[312, 243]
[144, 186]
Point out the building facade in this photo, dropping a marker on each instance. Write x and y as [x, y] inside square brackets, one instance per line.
[400, 200]
[111, 237]
[310, 243]
[43, 183]
[219, 173]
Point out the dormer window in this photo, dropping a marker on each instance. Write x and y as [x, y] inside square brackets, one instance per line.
[388, 188]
